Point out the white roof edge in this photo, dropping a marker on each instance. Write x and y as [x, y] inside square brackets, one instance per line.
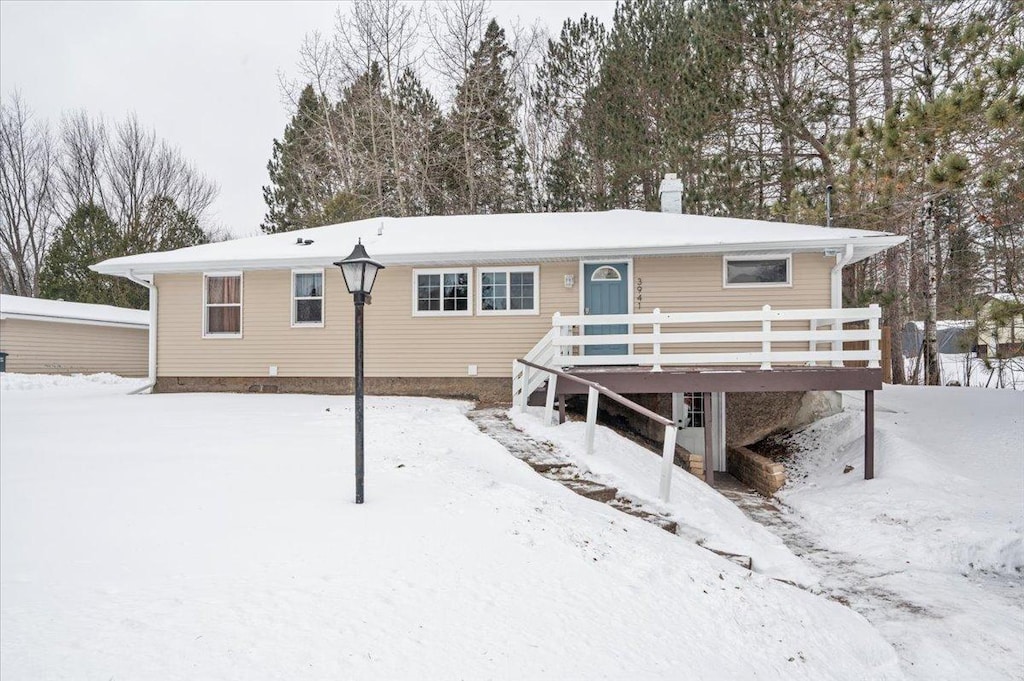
[877, 244]
[74, 320]
[46, 310]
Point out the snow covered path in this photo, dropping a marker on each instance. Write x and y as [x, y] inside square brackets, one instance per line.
[213, 536]
[931, 550]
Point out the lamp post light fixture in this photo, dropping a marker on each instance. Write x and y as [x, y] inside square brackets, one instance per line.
[359, 271]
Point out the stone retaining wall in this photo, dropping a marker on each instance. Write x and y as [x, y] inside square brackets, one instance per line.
[755, 470]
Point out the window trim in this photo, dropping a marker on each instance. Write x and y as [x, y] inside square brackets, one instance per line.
[293, 299]
[468, 271]
[480, 271]
[788, 257]
[204, 320]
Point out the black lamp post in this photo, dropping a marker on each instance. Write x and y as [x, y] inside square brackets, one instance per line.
[359, 271]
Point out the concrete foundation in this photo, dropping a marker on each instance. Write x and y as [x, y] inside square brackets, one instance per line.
[485, 391]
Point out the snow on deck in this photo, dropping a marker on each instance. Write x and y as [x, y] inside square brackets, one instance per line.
[60, 310]
[195, 536]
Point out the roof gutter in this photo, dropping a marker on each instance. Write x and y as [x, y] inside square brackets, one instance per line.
[153, 301]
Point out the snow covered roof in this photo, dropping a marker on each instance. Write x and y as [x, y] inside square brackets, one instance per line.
[1004, 297]
[40, 309]
[515, 237]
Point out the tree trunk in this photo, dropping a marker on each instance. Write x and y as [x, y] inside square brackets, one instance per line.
[930, 352]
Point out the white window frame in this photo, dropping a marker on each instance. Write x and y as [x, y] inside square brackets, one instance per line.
[322, 298]
[788, 257]
[468, 271]
[241, 305]
[481, 271]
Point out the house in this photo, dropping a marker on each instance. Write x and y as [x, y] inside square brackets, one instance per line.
[56, 337]
[1001, 326]
[462, 297]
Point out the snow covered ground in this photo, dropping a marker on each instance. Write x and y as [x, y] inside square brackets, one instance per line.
[936, 540]
[214, 536]
[704, 515]
[967, 369]
[930, 550]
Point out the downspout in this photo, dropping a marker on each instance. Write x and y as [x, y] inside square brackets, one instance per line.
[842, 260]
[153, 300]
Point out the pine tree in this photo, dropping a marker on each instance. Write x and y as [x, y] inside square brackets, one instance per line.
[302, 181]
[485, 164]
[88, 237]
[567, 74]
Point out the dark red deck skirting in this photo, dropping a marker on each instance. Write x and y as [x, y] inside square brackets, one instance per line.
[638, 380]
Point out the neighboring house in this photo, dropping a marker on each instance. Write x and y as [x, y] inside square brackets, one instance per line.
[1001, 326]
[56, 337]
[462, 297]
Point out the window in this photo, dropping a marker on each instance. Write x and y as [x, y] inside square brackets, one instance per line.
[222, 305]
[757, 271]
[694, 412]
[508, 291]
[441, 292]
[308, 298]
[606, 273]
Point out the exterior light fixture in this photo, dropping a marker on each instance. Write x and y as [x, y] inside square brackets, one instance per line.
[360, 272]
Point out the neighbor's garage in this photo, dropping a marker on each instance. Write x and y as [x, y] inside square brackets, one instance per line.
[57, 337]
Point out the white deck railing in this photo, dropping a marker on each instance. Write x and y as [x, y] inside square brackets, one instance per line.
[524, 380]
[823, 338]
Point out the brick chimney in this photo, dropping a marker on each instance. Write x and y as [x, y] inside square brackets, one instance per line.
[671, 192]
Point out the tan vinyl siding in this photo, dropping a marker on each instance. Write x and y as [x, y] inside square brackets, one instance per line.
[400, 344]
[695, 284]
[36, 347]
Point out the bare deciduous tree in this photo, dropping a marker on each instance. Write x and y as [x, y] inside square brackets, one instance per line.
[27, 215]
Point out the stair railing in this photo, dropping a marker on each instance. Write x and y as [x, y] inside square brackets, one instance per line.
[594, 391]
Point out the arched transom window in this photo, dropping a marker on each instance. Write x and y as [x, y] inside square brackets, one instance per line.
[606, 273]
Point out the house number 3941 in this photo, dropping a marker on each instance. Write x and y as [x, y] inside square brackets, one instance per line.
[639, 290]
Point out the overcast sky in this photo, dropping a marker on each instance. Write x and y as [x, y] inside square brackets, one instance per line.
[203, 75]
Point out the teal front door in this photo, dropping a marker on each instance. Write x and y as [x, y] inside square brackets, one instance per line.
[606, 291]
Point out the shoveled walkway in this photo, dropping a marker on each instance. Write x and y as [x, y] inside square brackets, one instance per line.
[844, 578]
[545, 458]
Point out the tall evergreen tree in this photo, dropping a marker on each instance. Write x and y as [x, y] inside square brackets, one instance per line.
[485, 166]
[302, 180]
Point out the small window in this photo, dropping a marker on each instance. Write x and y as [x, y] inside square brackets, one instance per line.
[441, 292]
[606, 273]
[222, 305]
[508, 291]
[758, 271]
[694, 413]
[308, 298]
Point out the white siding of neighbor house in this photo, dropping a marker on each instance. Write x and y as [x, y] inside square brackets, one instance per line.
[38, 347]
[399, 344]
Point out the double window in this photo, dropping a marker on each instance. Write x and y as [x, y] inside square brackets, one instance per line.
[308, 297]
[750, 271]
[511, 290]
[222, 305]
[441, 292]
